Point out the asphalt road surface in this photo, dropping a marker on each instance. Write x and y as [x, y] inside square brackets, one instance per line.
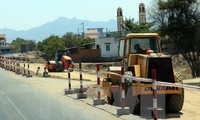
[19, 101]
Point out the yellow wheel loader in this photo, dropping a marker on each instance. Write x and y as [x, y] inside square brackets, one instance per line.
[141, 52]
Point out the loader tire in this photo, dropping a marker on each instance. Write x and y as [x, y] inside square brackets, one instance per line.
[110, 100]
[174, 103]
[137, 106]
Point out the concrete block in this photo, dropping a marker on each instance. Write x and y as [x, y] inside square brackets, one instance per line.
[97, 101]
[77, 90]
[27, 76]
[23, 74]
[46, 75]
[123, 111]
[67, 91]
[81, 96]
[18, 73]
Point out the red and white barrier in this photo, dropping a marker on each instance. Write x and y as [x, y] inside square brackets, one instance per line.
[18, 68]
[122, 110]
[98, 100]
[122, 88]
[69, 78]
[69, 90]
[81, 94]
[28, 72]
[98, 82]
[24, 74]
[154, 87]
[81, 78]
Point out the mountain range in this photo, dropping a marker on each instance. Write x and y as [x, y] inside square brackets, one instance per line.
[60, 26]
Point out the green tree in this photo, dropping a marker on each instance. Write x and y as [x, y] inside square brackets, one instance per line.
[53, 43]
[180, 21]
[16, 44]
[74, 40]
[40, 46]
[87, 40]
[130, 25]
[70, 40]
[50, 45]
[31, 45]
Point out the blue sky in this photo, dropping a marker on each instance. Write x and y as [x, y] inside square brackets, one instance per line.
[26, 14]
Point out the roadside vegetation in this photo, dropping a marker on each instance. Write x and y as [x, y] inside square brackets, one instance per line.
[51, 44]
[16, 44]
[178, 23]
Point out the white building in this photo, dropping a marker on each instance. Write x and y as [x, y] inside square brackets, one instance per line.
[2, 40]
[94, 33]
[108, 46]
[3, 47]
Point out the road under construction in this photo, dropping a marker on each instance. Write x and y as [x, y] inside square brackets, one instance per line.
[189, 109]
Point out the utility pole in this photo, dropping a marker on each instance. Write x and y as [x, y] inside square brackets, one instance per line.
[78, 30]
[83, 30]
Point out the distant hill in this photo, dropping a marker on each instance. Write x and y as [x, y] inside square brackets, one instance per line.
[59, 26]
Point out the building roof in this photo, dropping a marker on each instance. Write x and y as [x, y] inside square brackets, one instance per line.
[2, 36]
[94, 28]
[91, 32]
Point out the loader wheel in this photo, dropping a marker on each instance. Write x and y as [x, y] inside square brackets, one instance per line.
[110, 100]
[174, 103]
[137, 106]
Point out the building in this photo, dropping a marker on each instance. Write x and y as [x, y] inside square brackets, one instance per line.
[3, 47]
[2, 40]
[109, 44]
[120, 19]
[94, 33]
[142, 13]
[108, 47]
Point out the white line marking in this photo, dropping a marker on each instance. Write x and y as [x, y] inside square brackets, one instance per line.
[13, 105]
[2, 92]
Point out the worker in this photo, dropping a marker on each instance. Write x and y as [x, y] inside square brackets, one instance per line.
[138, 48]
[142, 51]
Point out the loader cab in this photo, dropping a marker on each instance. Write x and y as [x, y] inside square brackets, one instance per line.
[142, 41]
[142, 45]
[135, 49]
[142, 53]
[138, 43]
